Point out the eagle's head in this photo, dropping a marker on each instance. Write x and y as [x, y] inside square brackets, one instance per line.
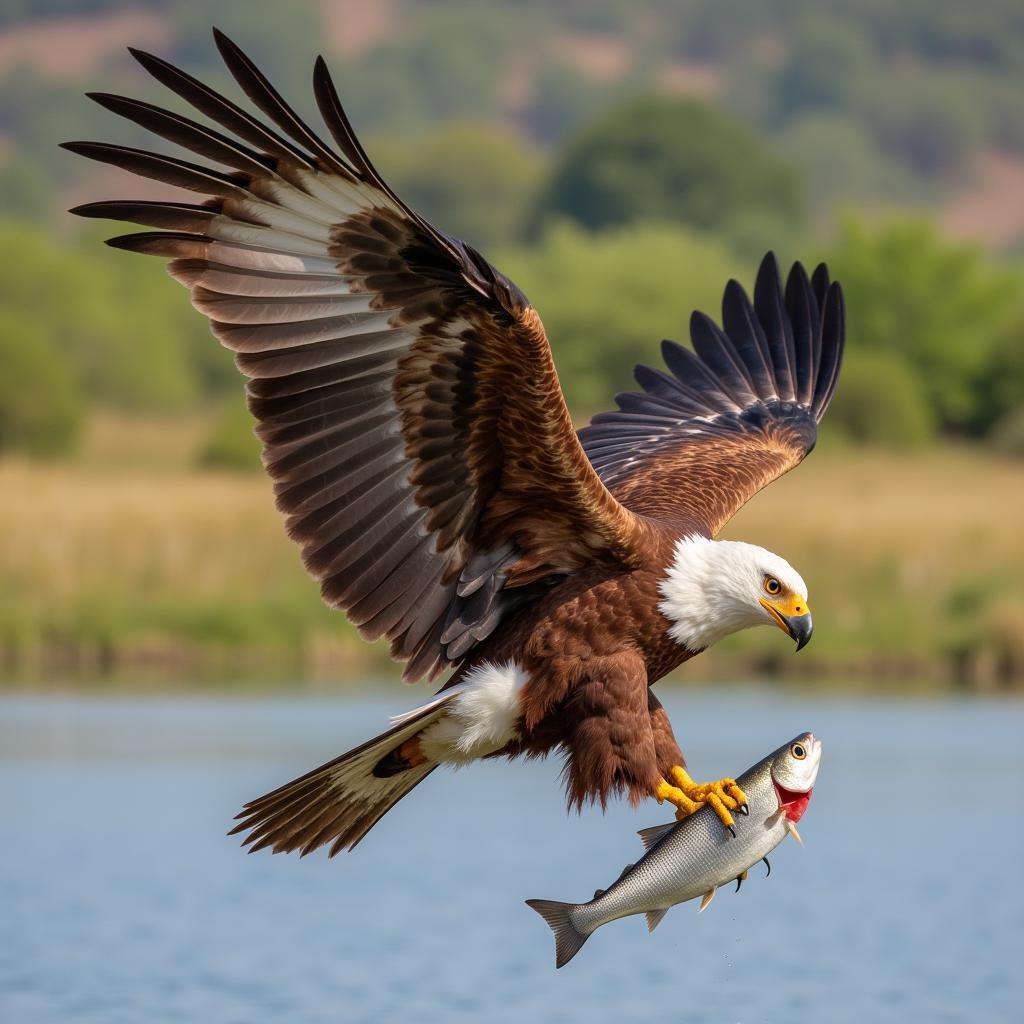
[715, 587]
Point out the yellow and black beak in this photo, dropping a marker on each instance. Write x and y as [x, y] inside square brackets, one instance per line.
[792, 616]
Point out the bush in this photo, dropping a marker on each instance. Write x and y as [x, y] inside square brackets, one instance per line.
[947, 309]
[670, 161]
[40, 407]
[231, 443]
[473, 181]
[121, 326]
[880, 401]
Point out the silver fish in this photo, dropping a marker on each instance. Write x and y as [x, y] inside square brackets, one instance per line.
[692, 857]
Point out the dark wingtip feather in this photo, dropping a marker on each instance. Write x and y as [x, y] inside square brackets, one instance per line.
[820, 283]
[152, 243]
[833, 335]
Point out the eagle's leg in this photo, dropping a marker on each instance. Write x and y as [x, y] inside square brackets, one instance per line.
[722, 796]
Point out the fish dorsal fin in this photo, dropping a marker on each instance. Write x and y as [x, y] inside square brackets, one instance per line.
[654, 918]
[623, 873]
[649, 836]
[708, 897]
[598, 893]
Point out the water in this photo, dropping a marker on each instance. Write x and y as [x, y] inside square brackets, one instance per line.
[122, 901]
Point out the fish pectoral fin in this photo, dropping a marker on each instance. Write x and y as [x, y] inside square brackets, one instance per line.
[649, 836]
[791, 828]
[708, 897]
[654, 918]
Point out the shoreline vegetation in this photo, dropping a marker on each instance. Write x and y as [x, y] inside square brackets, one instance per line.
[152, 571]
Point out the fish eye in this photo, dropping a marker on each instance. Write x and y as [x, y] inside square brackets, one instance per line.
[772, 585]
[799, 751]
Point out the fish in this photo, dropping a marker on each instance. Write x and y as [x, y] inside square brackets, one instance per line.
[693, 857]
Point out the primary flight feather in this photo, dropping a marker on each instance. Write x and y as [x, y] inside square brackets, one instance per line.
[426, 463]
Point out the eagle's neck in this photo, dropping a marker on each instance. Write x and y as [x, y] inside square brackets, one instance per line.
[705, 592]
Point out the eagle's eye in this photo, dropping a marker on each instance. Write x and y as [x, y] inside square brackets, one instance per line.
[798, 751]
[772, 585]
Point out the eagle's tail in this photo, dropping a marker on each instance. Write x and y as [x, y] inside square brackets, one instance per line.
[340, 802]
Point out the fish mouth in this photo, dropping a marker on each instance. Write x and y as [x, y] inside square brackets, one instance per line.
[792, 802]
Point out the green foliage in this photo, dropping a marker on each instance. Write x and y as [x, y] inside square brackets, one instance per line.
[443, 65]
[842, 164]
[880, 401]
[945, 308]
[608, 299]
[563, 99]
[1000, 393]
[473, 181]
[23, 192]
[283, 38]
[231, 443]
[825, 66]
[930, 122]
[40, 406]
[675, 161]
[124, 330]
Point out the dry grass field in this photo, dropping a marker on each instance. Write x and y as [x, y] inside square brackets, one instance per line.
[915, 565]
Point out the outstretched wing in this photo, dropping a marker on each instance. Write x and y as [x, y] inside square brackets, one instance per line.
[732, 415]
[404, 390]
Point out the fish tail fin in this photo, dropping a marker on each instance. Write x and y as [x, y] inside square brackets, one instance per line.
[568, 939]
[341, 801]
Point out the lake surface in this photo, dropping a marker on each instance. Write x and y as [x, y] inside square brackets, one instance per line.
[121, 900]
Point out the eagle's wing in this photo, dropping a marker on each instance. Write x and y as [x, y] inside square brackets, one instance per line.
[404, 390]
[732, 415]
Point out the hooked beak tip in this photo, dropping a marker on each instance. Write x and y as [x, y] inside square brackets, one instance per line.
[800, 628]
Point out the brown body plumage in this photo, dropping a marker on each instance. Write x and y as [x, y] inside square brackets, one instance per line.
[426, 463]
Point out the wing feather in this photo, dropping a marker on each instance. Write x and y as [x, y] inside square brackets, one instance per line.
[736, 413]
[404, 390]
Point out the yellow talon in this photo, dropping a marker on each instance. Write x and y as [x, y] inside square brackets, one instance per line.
[722, 796]
[683, 804]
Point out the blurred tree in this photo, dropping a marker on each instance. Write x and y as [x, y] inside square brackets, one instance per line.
[119, 327]
[40, 406]
[608, 299]
[944, 307]
[926, 120]
[281, 38]
[473, 181]
[880, 400]
[231, 443]
[1001, 388]
[562, 100]
[444, 64]
[841, 162]
[828, 60]
[669, 160]
[23, 191]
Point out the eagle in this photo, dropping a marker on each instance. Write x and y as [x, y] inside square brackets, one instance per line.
[426, 463]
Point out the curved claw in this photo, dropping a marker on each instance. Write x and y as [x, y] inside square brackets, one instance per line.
[729, 828]
[740, 879]
[768, 866]
[744, 809]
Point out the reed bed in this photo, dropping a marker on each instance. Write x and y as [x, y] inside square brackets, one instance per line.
[915, 566]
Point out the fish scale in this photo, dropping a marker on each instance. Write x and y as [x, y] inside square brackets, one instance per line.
[692, 857]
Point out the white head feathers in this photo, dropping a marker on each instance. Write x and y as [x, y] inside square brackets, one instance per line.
[713, 587]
